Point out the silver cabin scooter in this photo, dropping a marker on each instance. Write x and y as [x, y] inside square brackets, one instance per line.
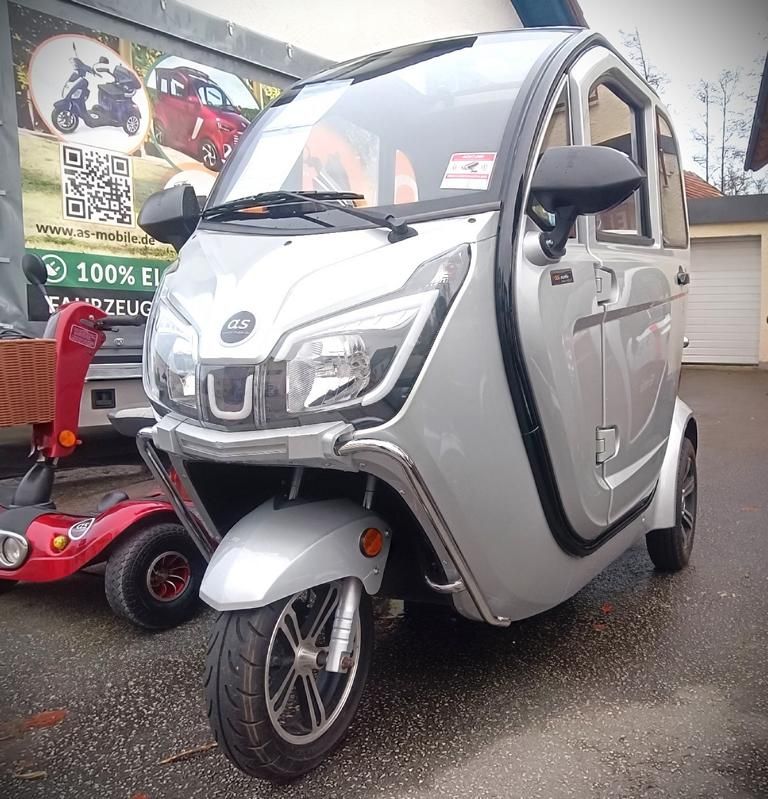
[423, 341]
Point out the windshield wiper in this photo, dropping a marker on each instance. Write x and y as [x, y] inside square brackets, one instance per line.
[398, 228]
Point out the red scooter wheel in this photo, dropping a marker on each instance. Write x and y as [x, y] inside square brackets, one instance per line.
[153, 576]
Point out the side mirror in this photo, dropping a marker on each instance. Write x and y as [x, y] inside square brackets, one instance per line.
[572, 181]
[103, 60]
[34, 269]
[171, 215]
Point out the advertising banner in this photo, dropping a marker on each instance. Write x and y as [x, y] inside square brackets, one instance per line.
[103, 123]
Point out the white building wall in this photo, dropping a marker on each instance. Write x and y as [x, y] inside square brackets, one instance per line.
[342, 29]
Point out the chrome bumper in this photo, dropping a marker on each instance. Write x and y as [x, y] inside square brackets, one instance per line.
[329, 445]
[202, 531]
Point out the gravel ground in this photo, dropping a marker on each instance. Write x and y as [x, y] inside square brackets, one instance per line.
[642, 685]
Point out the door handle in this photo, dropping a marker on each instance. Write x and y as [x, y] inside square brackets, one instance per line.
[683, 277]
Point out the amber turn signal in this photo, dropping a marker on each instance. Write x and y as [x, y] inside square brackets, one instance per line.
[59, 543]
[371, 542]
[67, 438]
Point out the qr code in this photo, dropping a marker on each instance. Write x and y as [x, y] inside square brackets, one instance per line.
[97, 185]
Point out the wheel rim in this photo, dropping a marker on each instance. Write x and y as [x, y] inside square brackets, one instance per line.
[304, 700]
[132, 124]
[168, 576]
[65, 119]
[688, 501]
[210, 156]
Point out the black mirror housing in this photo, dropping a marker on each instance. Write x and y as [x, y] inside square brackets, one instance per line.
[576, 180]
[34, 269]
[171, 215]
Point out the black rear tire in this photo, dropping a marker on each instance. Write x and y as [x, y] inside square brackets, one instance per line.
[670, 549]
[136, 562]
[7, 585]
[235, 690]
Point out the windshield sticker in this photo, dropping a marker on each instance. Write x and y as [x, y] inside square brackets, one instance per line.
[469, 171]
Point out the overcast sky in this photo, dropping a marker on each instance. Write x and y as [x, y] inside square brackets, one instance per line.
[689, 40]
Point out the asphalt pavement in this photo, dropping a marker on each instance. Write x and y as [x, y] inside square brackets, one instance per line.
[642, 685]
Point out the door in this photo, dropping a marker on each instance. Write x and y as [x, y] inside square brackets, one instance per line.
[560, 328]
[723, 323]
[637, 260]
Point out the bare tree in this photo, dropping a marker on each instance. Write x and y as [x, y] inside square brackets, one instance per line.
[725, 91]
[704, 137]
[636, 53]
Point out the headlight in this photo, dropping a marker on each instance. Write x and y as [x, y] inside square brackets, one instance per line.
[13, 551]
[222, 126]
[369, 353]
[170, 358]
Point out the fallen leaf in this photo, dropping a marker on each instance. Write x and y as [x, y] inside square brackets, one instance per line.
[599, 626]
[48, 718]
[31, 775]
[606, 607]
[39, 721]
[750, 509]
[140, 796]
[187, 753]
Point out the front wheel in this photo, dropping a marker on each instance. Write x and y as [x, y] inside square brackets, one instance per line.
[274, 710]
[64, 120]
[209, 155]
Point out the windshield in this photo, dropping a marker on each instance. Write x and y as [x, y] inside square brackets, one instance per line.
[214, 97]
[420, 125]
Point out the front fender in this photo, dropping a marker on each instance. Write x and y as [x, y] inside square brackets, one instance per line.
[278, 550]
[663, 510]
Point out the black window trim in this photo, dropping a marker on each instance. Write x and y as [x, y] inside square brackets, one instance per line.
[660, 114]
[638, 108]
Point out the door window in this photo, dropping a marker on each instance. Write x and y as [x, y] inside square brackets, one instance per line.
[673, 222]
[177, 88]
[558, 134]
[164, 85]
[615, 122]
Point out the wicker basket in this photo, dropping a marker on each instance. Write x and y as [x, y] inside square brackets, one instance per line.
[27, 381]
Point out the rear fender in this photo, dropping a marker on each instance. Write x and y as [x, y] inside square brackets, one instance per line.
[279, 550]
[663, 510]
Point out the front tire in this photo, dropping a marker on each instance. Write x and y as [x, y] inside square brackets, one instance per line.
[209, 155]
[670, 549]
[64, 120]
[153, 577]
[274, 711]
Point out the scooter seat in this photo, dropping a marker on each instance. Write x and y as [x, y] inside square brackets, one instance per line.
[110, 499]
[6, 494]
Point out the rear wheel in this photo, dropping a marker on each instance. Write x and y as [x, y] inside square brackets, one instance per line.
[159, 132]
[274, 710]
[153, 577]
[670, 549]
[132, 124]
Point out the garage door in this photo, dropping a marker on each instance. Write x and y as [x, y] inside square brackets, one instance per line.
[724, 301]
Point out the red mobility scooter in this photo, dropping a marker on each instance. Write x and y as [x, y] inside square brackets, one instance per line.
[153, 569]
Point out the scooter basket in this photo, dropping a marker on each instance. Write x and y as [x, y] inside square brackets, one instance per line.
[27, 381]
